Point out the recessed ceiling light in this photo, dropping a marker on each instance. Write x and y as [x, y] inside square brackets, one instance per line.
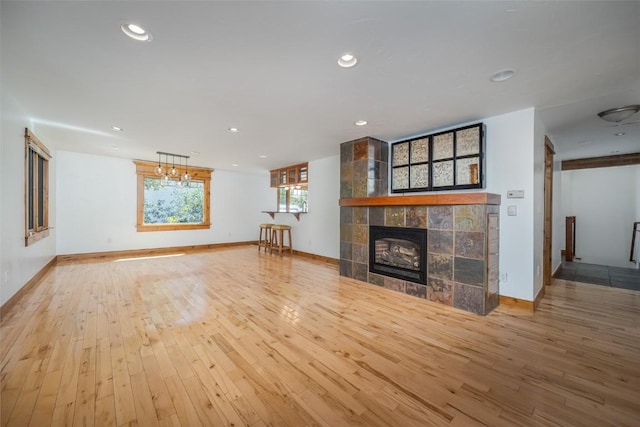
[360, 123]
[115, 148]
[619, 134]
[502, 75]
[347, 60]
[615, 151]
[235, 165]
[195, 153]
[262, 156]
[234, 130]
[117, 129]
[136, 32]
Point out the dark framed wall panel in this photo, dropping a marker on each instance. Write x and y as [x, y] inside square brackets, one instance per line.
[451, 160]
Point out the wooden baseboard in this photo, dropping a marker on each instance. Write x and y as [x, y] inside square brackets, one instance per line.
[322, 258]
[538, 298]
[555, 271]
[138, 253]
[517, 303]
[15, 299]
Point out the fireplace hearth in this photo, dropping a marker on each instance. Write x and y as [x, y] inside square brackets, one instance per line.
[398, 252]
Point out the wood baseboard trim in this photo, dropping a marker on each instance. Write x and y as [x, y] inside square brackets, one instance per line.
[139, 253]
[556, 270]
[15, 299]
[517, 303]
[332, 261]
[539, 297]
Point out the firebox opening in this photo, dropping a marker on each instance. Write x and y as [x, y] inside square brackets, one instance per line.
[398, 252]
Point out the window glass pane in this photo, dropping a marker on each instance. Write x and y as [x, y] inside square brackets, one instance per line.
[41, 177]
[30, 211]
[298, 200]
[282, 199]
[173, 204]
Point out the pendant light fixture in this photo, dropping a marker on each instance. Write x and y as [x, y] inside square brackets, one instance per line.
[170, 174]
[173, 172]
[158, 170]
[179, 180]
[186, 177]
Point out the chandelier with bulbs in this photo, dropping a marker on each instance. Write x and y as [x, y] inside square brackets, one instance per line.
[170, 173]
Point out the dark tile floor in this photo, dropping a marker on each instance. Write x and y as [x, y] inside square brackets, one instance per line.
[616, 277]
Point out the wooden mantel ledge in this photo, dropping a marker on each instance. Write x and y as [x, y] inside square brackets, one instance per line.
[425, 199]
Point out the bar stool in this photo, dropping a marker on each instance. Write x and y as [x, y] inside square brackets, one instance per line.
[266, 241]
[277, 238]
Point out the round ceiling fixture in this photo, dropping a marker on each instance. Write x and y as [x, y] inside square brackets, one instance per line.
[136, 32]
[262, 156]
[347, 60]
[360, 123]
[117, 129]
[234, 130]
[619, 114]
[502, 75]
[619, 134]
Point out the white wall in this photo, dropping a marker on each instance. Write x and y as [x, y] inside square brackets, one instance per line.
[604, 202]
[513, 161]
[317, 232]
[539, 133]
[511, 158]
[18, 264]
[97, 207]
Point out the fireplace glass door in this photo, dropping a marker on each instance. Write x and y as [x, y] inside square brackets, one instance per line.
[398, 252]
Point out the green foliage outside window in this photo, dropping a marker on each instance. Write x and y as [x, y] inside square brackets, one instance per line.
[172, 204]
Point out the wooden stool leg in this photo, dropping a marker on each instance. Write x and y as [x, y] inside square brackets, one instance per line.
[260, 239]
[274, 240]
[267, 236]
[290, 243]
[281, 237]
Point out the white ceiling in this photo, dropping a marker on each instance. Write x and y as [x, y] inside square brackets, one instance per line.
[269, 68]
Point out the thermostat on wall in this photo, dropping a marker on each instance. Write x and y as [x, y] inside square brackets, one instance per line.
[515, 194]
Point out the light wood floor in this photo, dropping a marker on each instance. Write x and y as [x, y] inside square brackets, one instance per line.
[230, 337]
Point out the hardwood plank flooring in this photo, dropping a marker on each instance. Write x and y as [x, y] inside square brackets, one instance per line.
[240, 338]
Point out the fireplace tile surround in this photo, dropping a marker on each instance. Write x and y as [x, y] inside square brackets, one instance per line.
[458, 258]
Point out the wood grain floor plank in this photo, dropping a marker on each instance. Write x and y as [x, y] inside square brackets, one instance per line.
[143, 400]
[106, 411]
[21, 415]
[234, 337]
[157, 388]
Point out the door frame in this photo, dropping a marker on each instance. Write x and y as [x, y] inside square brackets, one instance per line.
[549, 152]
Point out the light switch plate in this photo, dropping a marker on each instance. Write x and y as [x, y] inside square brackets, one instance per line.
[512, 210]
[515, 194]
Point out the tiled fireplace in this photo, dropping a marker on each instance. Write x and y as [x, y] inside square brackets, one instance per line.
[461, 234]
